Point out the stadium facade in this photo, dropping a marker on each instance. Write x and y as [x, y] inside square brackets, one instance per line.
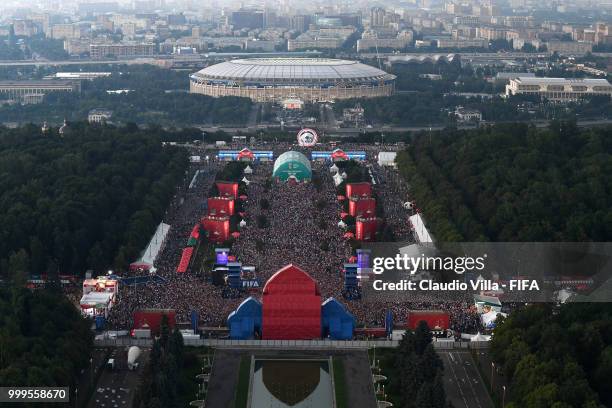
[275, 79]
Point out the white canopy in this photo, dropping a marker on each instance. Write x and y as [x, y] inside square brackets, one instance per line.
[150, 254]
[564, 295]
[338, 179]
[245, 181]
[248, 170]
[92, 299]
[488, 319]
[422, 234]
[408, 205]
[333, 169]
[342, 224]
[242, 223]
[480, 337]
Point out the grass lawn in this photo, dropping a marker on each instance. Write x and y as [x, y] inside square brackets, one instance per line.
[340, 383]
[242, 390]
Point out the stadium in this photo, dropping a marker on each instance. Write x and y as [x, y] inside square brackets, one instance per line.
[310, 79]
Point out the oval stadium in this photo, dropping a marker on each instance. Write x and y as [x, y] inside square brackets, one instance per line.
[310, 79]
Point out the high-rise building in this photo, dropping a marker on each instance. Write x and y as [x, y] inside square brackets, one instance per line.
[247, 19]
[377, 17]
[300, 22]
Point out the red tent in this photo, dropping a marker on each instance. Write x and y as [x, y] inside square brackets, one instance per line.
[227, 189]
[365, 229]
[185, 260]
[435, 319]
[291, 306]
[341, 198]
[218, 228]
[195, 232]
[343, 215]
[152, 318]
[246, 154]
[362, 206]
[220, 206]
[235, 234]
[363, 189]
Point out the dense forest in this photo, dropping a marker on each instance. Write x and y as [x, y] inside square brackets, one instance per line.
[415, 371]
[89, 199]
[431, 108]
[44, 340]
[513, 182]
[557, 358]
[160, 386]
[155, 95]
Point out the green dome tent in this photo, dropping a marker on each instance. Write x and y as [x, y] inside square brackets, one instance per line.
[290, 165]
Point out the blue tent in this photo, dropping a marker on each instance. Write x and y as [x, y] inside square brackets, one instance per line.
[336, 321]
[245, 320]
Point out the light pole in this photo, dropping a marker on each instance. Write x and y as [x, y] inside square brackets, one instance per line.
[492, 368]
[504, 396]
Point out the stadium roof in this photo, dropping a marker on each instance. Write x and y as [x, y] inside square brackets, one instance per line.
[292, 68]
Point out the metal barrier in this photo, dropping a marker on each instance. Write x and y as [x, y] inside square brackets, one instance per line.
[289, 344]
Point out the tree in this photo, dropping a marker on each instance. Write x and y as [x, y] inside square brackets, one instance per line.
[422, 337]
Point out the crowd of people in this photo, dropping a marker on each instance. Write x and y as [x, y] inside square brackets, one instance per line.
[286, 223]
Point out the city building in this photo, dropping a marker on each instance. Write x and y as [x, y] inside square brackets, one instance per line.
[370, 40]
[118, 50]
[34, 91]
[462, 43]
[467, 115]
[306, 42]
[377, 17]
[65, 31]
[247, 19]
[309, 79]
[558, 89]
[99, 115]
[569, 47]
[81, 76]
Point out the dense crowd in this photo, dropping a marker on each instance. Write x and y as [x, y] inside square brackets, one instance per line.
[285, 223]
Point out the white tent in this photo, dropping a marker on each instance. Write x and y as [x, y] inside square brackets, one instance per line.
[242, 224]
[155, 244]
[333, 169]
[484, 303]
[248, 170]
[488, 319]
[408, 205]
[342, 224]
[245, 181]
[480, 337]
[338, 179]
[564, 295]
[422, 234]
[386, 158]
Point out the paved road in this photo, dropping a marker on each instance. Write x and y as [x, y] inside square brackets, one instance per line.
[387, 129]
[116, 388]
[462, 382]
